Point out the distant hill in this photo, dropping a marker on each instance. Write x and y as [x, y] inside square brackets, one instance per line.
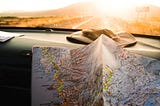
[77, 9]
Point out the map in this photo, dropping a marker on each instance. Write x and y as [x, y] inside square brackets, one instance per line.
[99, 74]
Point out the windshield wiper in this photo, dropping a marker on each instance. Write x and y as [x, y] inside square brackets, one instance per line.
[37, 29]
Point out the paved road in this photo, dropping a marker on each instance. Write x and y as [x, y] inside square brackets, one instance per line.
[84, 22]
[100, 22]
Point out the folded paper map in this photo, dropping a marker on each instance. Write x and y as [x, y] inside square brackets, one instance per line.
[99, 74]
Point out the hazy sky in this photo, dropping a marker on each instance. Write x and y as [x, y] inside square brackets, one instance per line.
[34, 5]
[29, 5]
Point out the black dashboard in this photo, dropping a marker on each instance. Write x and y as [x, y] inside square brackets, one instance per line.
[16, 61]
[16, 58]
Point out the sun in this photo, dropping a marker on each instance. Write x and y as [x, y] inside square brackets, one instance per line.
[116, 6]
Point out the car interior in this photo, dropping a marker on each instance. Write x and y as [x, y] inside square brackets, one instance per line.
[16, 52]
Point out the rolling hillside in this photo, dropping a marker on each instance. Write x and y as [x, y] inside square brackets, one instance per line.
[78, 9]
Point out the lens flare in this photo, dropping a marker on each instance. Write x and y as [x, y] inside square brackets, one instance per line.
[118, 7]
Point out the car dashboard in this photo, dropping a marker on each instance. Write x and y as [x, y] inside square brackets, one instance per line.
[16, 58]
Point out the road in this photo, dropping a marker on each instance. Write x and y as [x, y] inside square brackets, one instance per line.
[99, 22]
[82, 23]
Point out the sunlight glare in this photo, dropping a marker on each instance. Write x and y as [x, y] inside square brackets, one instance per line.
[117, 6]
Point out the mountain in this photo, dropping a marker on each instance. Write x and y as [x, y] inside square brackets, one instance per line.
[84, 8]
[77, 9]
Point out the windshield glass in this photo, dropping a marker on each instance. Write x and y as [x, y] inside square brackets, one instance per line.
[134, 16]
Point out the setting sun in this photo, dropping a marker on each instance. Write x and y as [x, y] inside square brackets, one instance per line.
[116, 7]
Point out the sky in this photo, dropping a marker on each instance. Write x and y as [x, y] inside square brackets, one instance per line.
[37, 5]
[34, 5]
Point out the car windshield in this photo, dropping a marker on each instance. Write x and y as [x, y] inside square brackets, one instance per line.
[134, 16]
